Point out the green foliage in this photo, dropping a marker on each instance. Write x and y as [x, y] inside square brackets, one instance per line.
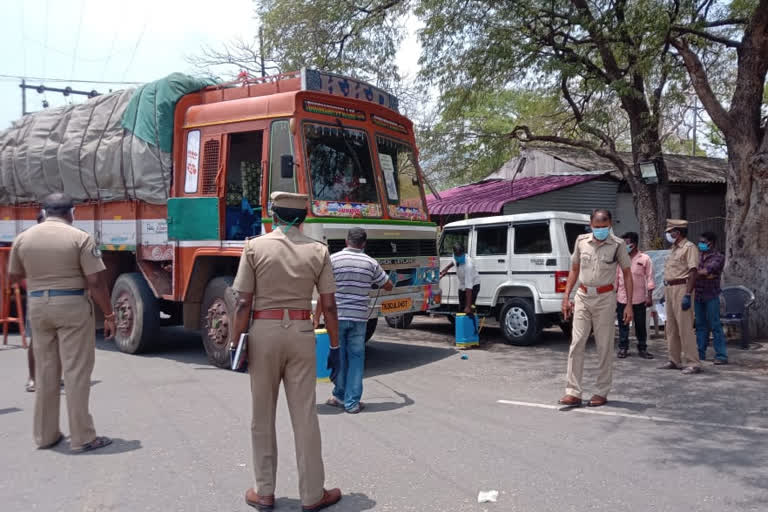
[335, 35]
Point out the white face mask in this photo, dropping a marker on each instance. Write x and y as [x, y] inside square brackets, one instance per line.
[670, 238]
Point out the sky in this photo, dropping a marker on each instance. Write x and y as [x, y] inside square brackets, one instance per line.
[114, 41]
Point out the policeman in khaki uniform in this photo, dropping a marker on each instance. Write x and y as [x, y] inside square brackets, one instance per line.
[594, 261]
[680, 271]
[61, 263]
[275, 281]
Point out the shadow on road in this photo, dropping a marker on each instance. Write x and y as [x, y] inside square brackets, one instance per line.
[118, 446]
[386, 357]
[9, 410]
[355, 502]
[176, 343]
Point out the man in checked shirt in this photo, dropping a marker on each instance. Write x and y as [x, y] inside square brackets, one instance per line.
[707, 299]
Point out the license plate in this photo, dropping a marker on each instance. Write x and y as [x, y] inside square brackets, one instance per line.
[396, 306]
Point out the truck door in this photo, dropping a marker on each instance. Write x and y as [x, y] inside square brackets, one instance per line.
[449, 284]
[490, 255]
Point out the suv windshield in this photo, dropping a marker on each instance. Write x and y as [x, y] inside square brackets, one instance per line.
[401, 177]
[340, 164]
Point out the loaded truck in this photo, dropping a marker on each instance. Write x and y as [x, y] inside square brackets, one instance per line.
[172, 177]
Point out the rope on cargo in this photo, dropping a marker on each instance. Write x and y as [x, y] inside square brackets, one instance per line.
[159, 152]
[80, 152]
[130, 145]
[98, 145]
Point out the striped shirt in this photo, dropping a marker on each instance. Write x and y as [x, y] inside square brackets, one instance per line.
[355, 273]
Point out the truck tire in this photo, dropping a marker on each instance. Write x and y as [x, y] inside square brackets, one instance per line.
[137, 313]
[400, 321]
[370, 328]
[519, 323]
[214, 321]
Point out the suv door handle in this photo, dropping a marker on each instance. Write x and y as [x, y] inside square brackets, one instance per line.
[502, 260]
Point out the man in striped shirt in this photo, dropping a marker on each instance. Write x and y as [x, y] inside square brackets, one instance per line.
[356, 274]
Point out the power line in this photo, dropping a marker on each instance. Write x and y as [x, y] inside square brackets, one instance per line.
[138, 42]
[48, 79]
[77, 39]
[111, 52]
[47, 4]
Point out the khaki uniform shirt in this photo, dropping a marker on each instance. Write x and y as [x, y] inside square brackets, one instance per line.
[683, 256]
[282, 270]
[54, 255]
[598, 260]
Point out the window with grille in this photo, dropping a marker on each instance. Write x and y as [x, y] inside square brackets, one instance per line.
[210, 166]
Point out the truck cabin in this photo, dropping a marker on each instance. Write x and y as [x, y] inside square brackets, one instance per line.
[355, 157]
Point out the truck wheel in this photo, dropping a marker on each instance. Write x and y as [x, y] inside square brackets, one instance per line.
[214, 321]
[370, 328]
[518, 322]
[137, 313]
[400, 321]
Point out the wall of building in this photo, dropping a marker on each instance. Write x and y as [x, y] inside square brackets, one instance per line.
[580, 198]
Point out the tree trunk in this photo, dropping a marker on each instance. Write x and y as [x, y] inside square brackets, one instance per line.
[651, 201]
[746, 226]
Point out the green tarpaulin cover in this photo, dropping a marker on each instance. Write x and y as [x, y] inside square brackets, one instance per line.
[149, 114]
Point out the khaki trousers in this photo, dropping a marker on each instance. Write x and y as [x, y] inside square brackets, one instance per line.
[680, 334]
[284, 350]
[592, 313]
[64, 334]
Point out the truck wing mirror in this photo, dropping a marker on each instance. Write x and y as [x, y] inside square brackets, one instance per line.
[286, 167]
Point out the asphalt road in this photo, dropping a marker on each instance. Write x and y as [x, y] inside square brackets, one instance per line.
[437, 430]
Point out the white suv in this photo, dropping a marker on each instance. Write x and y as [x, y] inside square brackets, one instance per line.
[523, 262]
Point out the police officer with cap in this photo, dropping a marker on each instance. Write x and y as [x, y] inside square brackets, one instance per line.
[275, 281]
[61, 263]
[680, 270]
[595, 258]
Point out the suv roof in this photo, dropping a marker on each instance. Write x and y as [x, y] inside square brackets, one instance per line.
[520, 217]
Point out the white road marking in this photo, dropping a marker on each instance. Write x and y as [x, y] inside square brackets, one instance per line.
[761, 430]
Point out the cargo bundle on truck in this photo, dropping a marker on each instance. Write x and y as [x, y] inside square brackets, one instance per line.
[171, 177]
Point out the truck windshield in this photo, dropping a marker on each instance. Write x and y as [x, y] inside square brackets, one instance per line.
[340, 164]
[401, 177]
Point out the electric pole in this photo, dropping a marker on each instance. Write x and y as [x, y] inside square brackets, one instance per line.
[66, 91]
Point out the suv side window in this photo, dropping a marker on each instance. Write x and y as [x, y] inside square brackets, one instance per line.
[491, 240]
[451, 237]
[532, 238]
[573, 231]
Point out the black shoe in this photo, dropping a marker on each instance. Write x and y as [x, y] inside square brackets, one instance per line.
[721, 361]
[644, 354]
[623, 352]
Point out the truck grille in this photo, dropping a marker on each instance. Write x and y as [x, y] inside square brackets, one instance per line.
[391, 248]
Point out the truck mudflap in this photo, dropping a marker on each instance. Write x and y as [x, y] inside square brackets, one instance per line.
[406, 299]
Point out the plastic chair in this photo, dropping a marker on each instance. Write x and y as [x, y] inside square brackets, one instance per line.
[738, 300]
[8, 295]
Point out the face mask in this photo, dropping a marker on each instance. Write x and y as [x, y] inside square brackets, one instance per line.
[670, 238]
[601, 233]
[460, 260]
[703, 247]
[630, 247]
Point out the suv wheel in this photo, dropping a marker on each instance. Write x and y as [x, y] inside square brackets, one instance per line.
[518, 322]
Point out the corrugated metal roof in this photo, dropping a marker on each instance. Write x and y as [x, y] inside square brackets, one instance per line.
[681, 168]
[490, 196]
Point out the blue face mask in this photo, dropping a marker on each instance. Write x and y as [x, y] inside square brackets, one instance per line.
[601, 233]
[629, 248]
[703, 247]
[460, 260]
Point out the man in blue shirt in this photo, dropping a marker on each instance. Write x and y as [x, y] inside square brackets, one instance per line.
[356, 274]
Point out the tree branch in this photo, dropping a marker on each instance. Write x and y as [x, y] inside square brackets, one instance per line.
[703, 88]
[730, 43]
[523, 134]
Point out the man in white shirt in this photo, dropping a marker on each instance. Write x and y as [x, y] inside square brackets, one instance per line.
[469, 279]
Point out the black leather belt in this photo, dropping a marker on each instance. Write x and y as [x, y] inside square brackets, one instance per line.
[56, 293]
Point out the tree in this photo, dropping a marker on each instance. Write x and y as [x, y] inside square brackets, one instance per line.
[742, 28]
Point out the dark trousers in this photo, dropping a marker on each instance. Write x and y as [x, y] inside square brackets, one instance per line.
[640, 330]
[463, 297]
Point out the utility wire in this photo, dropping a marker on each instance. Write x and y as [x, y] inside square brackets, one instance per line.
[45, 45]
[138, 42]
[77, 38]
[49, 79]
[111, 52]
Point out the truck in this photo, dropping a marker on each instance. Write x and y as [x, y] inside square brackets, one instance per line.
[172, 178]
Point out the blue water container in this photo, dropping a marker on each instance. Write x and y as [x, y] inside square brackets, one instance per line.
[466, 330]
[322, 348]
